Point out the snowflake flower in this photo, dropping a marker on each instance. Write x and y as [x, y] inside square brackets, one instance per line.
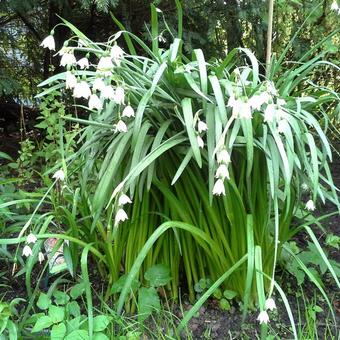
[82, 90]
[68, 59]
[258, 100]
[222, 172]
[223, 156]
[282, 126]
[83, 63]
[108, 92]
[59, 175]
[310, 205]
[49, 43]
[128, 112]
[241, 109]
[281, 102]
[200, 142]
[245, 110]
[98, 84]
[105, 63]
[71, 80]
[263, 317]
[27, 251]
[119, 95]
[269, 113]
[95, 102]
[219, 188]
[31, 238]
[116, 54]
[270, 304]
[124, 199]
[334, 6]
[121, 126]
[202, 126]
[121, 216]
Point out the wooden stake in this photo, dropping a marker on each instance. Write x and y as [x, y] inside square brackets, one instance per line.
[269, 36]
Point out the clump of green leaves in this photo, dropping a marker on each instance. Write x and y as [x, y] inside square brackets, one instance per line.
[62, 317]
[224, 297]
[24, 163]
[8, 327]
[156, 277]
[310, 258]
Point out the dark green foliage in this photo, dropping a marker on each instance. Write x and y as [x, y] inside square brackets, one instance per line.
[213, 26]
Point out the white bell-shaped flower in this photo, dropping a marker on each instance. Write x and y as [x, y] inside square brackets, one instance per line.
[105, 63]
[124, 199]
[240, 108]
[49, 43]
[83, 63]
[270, 304]
[121, 126]
[27, 251]
[222, 172]
[263, 317]
[245, 110]
[223, 156]
[59, 175]
[119, 95]
[116, 54]
[98, 84]
[310, 205]
[269, 113]
[280, 102]
[68, 59]
[258, 100]
[82, 90]
[128, 112]
[282, 126]
[334, 6]
[31, 238]
[201, 126]
[108, 92]
[121, 216]
[71, 80]
[200, 142]
[95, 102]
[219, 188]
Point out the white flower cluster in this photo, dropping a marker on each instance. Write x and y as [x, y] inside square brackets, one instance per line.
[101, 87]
[263, 316]
[27, 250]
[243, 107]
[121, 215]
[222, 172]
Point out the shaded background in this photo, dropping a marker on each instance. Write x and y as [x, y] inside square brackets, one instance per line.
[216, 26]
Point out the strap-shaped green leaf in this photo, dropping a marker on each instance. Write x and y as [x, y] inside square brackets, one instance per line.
[189, 126]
